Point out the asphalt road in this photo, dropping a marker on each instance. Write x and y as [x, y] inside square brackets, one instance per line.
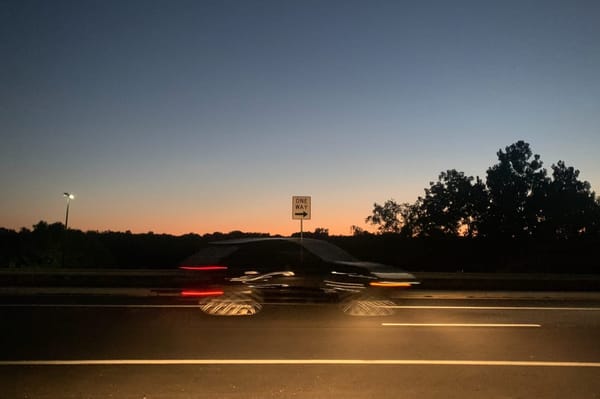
[67, 347]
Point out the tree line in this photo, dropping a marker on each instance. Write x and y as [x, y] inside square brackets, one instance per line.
[51, 246]
[519, 199]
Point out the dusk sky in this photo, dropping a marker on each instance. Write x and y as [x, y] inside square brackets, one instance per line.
[203, 116]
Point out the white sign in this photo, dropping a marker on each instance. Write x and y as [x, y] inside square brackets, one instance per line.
[301, 207]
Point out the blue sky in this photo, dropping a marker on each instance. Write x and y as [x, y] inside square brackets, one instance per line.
[202, 116]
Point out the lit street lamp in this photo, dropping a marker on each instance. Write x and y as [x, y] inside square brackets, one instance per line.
[69, 198]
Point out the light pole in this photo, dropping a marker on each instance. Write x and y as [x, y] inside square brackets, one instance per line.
[69, 198]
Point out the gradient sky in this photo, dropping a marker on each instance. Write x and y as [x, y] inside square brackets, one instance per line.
[203, 116]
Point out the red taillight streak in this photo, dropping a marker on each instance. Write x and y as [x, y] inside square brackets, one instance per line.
[201, 293]
[203, 268]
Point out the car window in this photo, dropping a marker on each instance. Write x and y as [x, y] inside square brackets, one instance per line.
[273, 256]
[212, 255]
[327, 251]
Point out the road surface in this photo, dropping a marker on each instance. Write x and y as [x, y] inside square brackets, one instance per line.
[72, 347]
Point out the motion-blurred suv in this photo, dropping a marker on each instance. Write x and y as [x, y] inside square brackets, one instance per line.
[236, 277]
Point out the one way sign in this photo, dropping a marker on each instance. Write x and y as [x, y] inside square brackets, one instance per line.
[301, 207]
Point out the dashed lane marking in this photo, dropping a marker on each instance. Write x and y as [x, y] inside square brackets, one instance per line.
[260, 362]
[454, 325]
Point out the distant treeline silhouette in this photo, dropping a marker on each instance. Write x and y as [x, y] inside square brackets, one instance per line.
[51, 246]
[461, 254]
[43, 246]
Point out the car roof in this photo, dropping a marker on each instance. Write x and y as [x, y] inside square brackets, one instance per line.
[243, 241]
[323, 249]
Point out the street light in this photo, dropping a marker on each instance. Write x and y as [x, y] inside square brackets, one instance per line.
[69, 198]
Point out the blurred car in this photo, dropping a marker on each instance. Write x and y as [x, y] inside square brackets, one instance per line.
[236, 277]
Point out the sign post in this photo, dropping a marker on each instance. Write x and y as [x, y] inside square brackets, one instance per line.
[301, 210]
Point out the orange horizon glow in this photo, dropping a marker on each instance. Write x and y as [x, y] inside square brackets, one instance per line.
[271, 218]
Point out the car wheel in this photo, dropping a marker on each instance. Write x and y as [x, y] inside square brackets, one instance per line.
[232, 304]
[367, 307]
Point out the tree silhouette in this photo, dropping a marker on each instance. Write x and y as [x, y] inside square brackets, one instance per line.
[516, 186]
[452, 206]
[392, 217]
[358, 231]
[385, 217]
[571, 209]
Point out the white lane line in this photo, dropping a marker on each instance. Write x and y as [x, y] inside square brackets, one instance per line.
[460, 325]
[209, 362]
[491, 308]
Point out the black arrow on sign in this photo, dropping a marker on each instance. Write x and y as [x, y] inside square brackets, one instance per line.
[303, 214]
